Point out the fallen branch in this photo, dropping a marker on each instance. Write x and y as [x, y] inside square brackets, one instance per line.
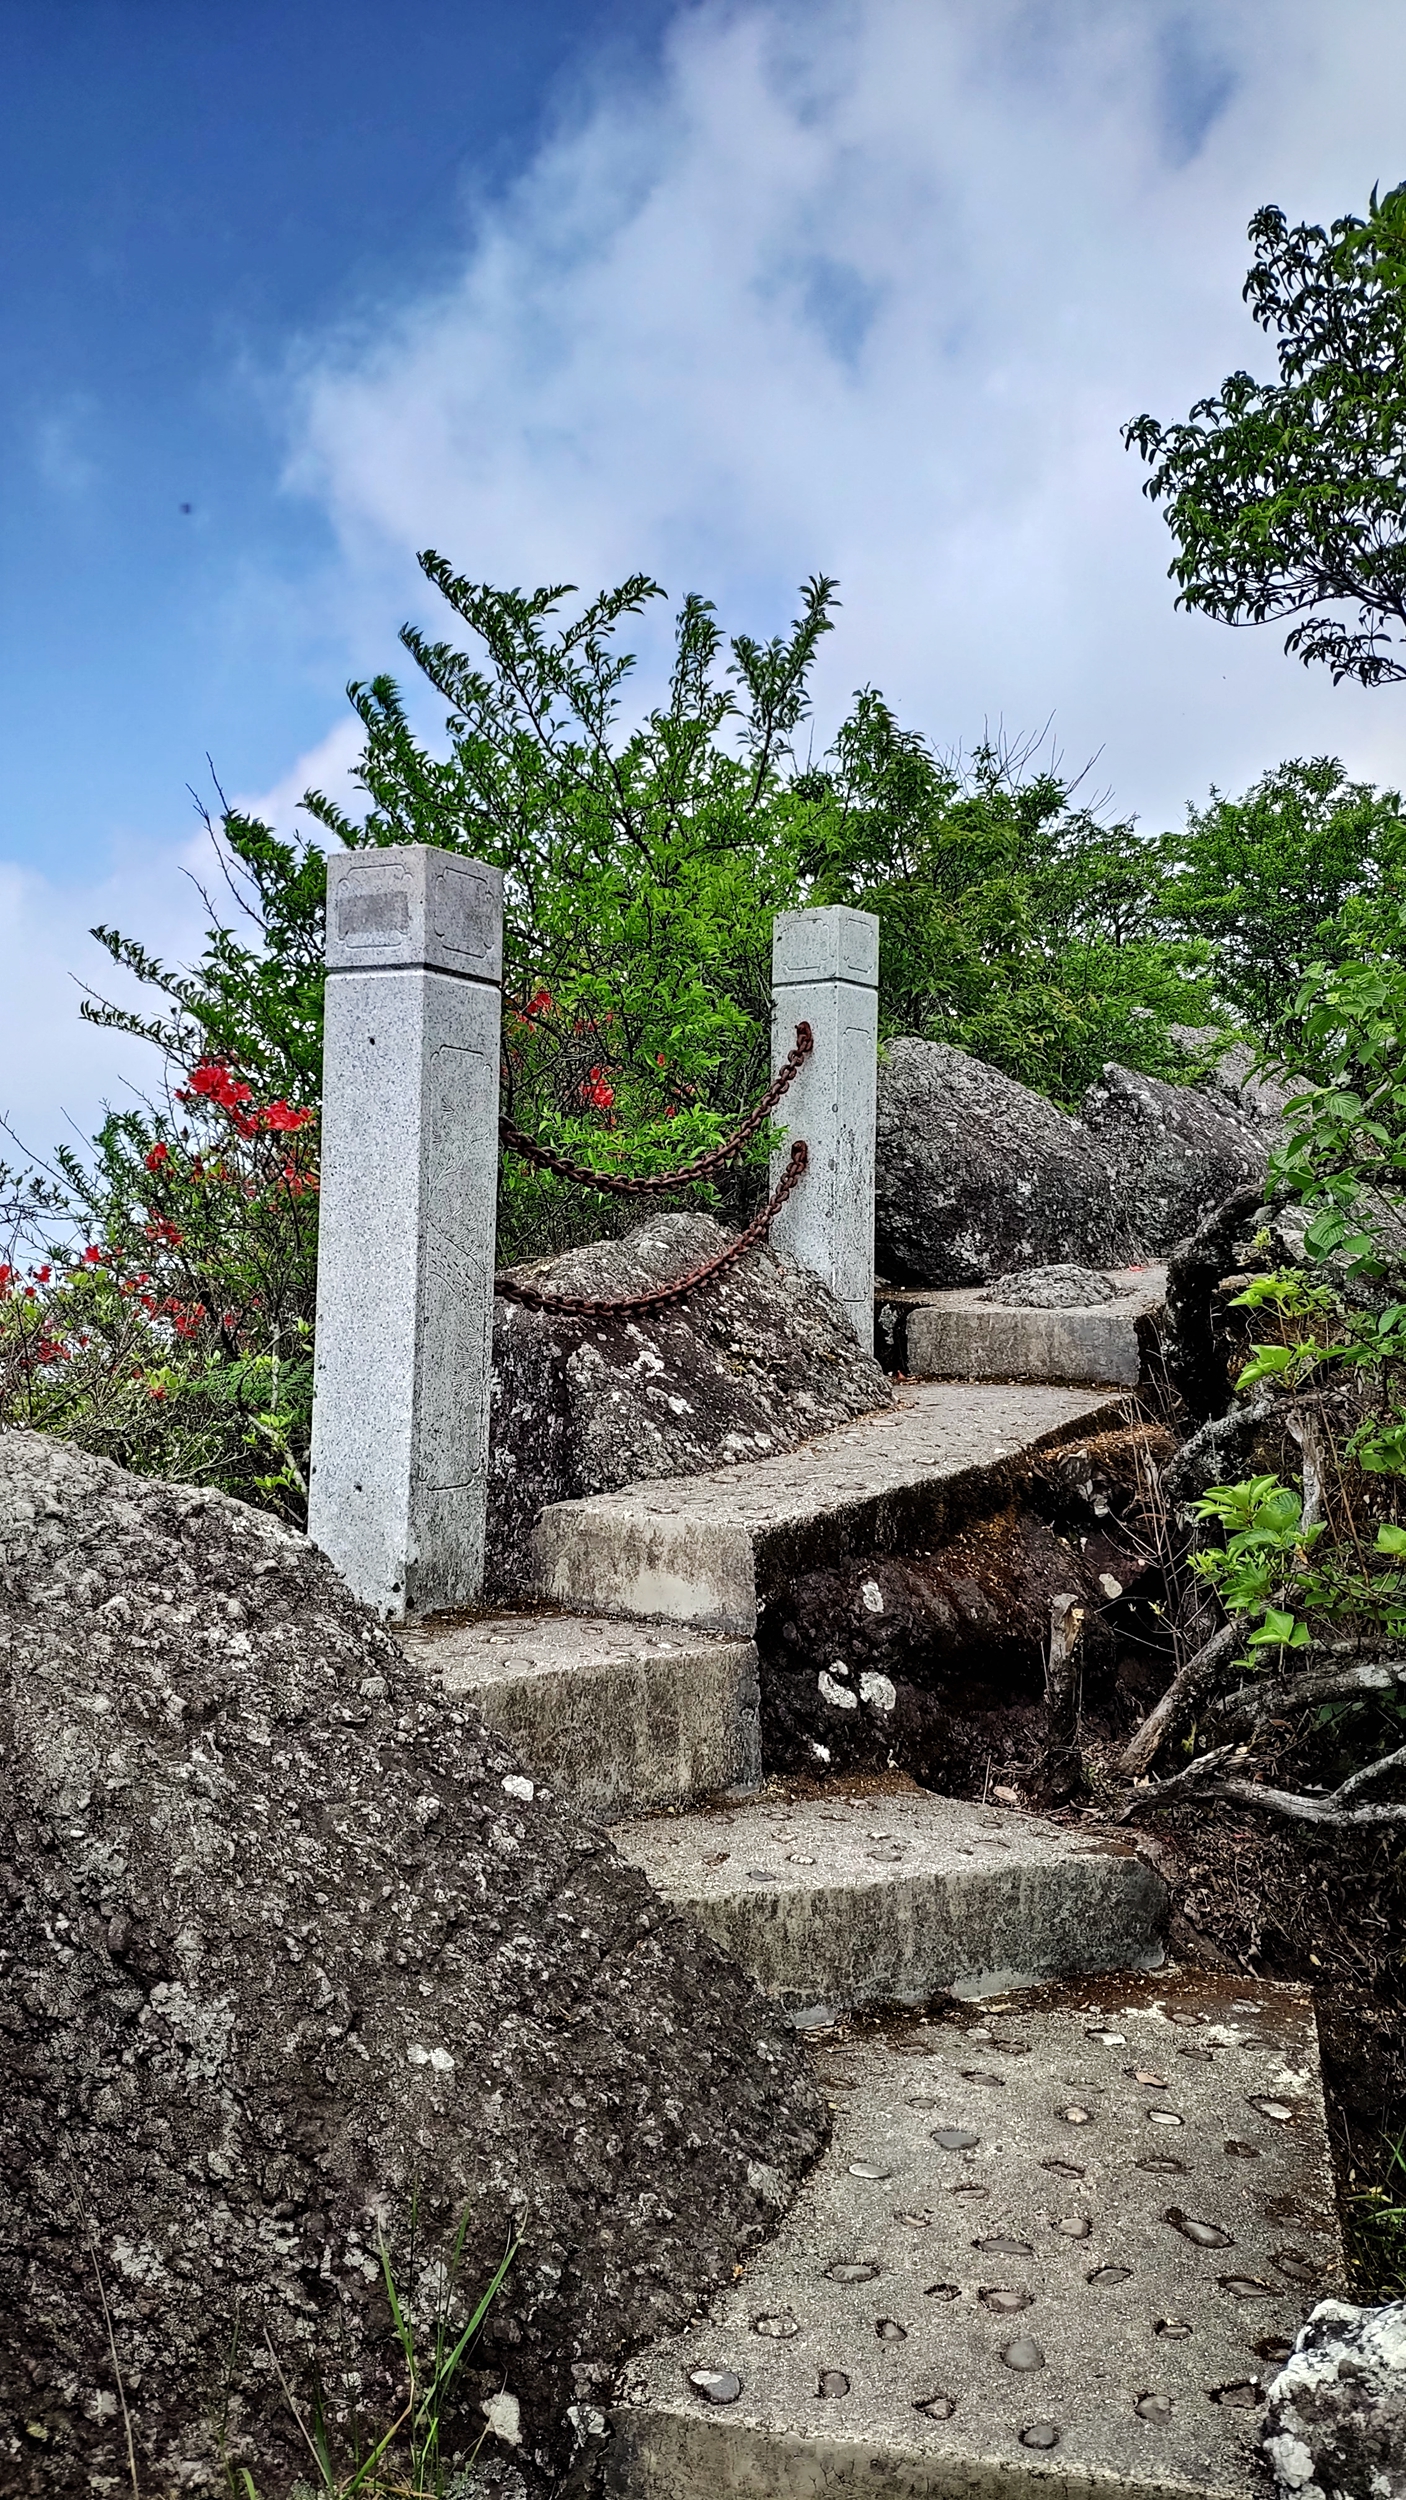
[1189, 1688]
[1277, 1694]
[1203, 1782]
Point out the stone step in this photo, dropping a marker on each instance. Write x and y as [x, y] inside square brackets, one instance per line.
[613, 1717]
[1056, 2247]
[958, 1335]
[870, 1895]
[711, 1549]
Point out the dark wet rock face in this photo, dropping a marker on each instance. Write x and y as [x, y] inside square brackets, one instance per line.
[1335, 2419]
[751, 1366]
[1173, 1152]
[977, 1175]
[289, 1942]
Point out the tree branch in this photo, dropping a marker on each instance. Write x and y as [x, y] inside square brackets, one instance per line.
[1188, 1688]
[1302, 1692]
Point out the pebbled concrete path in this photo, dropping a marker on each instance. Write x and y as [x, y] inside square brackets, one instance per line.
[1057, 2247]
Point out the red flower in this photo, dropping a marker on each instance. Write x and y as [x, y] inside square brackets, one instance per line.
[597, 1091]
[159, 1154]
[162, 1229]
[5, 1275]
[92, 1256]
[41, 1275]
[540, 1003]
[220, 1085]
[279, 1115]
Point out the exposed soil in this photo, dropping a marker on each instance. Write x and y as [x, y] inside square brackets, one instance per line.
[934, 1663]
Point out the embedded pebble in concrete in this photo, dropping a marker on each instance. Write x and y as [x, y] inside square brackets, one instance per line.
[1023, 2354]
[779, 2323]
[1201, 2234]
[1149, 2341]
[955, 2139]
[716, 2387]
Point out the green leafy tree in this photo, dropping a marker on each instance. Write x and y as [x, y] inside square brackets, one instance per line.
[1015, 923]
[1307, 866]
[645, 852]
[1288, 498]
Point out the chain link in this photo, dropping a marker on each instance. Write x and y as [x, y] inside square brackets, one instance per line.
[626, 1305]
[519, 1143]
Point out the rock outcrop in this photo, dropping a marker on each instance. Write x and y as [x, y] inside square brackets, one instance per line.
[1335, 2422]
[1172, 1152]
[748, 1367]
[295, 1964]
[978, 1176]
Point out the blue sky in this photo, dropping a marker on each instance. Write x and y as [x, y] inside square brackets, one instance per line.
[732, 290]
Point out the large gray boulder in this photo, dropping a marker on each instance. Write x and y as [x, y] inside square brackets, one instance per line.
[295, 1962]
[977, 1175]
[1335, 2421]
[1173, 1152]
[748, 1366]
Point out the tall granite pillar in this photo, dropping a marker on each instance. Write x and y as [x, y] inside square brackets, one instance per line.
[825, 972]
[399, 1480]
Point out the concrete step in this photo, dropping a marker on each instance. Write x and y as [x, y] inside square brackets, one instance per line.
[1057, 2248]
[872, 1895]
[958, 1335]
[709, 1550]
[615, 1718]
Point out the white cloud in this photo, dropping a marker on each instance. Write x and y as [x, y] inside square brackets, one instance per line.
[67, 1069]
[329, 767]
[869, 286]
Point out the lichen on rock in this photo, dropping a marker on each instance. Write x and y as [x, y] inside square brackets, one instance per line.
[297, 1959]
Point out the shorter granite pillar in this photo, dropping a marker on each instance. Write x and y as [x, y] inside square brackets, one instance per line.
[825, 973]
[398, 1491]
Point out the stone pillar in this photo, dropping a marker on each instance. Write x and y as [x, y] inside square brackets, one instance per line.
[398, 1492]
[825, 972]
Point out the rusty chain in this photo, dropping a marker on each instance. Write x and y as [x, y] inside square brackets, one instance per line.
[519, 1143]
[625, 1305]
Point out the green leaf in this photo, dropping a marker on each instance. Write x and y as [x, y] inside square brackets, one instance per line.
[1391, 1540]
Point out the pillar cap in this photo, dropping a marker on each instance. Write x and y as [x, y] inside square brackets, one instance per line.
[833, 943]
[412, 906]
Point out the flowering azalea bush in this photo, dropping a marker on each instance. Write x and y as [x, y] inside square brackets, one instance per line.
[169, 1324]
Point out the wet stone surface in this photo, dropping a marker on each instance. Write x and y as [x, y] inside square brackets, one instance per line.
[1148, 2346]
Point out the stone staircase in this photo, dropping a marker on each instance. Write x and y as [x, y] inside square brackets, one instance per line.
[1064, 2230]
